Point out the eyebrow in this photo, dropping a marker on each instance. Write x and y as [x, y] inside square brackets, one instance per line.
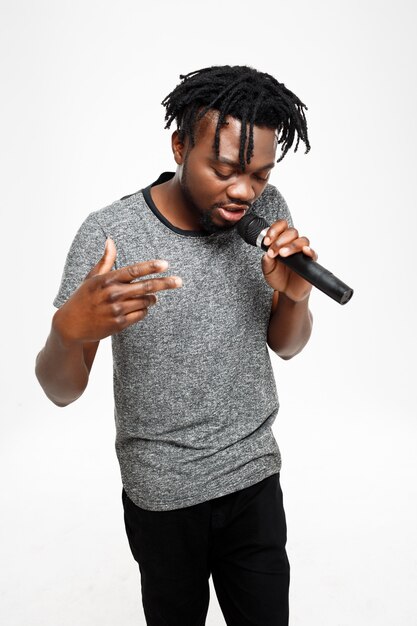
[227, 161]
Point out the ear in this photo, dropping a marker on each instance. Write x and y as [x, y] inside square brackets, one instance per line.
[178, 148]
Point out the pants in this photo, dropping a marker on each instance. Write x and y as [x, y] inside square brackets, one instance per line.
[238, 538]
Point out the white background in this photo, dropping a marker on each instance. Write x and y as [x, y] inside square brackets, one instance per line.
[81, 126]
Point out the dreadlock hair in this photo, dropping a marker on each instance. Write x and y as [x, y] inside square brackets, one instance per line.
[253, 97]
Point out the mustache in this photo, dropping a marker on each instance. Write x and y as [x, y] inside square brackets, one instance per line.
[222, 205]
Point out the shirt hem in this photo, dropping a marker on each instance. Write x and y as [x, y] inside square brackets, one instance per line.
[180, 503]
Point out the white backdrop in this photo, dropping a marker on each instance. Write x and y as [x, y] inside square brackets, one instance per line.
[82, 125]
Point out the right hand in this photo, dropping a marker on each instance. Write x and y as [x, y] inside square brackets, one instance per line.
[107, 301]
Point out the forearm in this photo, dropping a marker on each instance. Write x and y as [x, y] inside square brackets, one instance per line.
[290, 327]
[61, 369]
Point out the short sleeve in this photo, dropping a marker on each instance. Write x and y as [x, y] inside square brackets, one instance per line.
[272, 206]
[283, 210]
[86, 250]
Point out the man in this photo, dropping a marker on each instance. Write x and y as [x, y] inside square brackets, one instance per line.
[195, 396]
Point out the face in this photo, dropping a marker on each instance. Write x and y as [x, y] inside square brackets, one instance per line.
[215, 190]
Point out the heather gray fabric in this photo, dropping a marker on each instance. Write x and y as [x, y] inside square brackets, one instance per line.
[194, 390]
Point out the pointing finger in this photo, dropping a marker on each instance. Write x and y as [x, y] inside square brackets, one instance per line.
[150, 285]
[138, 270]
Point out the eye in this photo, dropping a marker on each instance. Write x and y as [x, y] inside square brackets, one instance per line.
[226, 176]
[221, 176]
[264, 180]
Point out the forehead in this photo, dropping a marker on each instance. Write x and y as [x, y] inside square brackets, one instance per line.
[265, 139]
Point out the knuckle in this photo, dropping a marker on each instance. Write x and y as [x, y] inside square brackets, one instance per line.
[146, 286]
[133, 271]
[277, 228]
[113, 295]
[120, 321]
[282, 225]
[116, 309]
[105, 281]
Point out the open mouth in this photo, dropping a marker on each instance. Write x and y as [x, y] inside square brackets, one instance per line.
[232, 213]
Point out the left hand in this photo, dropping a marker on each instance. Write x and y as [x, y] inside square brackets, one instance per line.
[285, 241]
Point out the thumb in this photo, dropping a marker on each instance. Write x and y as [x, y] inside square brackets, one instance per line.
[268, 264]
[107, 260]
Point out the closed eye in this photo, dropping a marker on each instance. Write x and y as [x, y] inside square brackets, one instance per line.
[226, 176]
[221, 176]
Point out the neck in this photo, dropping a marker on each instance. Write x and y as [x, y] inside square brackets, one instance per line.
[173, 205]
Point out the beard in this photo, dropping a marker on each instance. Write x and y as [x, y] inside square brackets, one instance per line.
[204, 215]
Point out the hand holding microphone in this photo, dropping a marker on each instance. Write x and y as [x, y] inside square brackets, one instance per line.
[287, 251]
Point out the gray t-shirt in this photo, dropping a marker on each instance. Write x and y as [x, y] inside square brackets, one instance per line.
[194, 390]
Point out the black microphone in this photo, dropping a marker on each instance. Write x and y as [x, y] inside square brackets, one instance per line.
[252, 228]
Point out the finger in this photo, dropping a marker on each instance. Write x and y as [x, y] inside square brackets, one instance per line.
[132, 318]
[294, 246]
[310, 252]
[135, 304]
[286, 237]
[150, 285]
[107, 260]
[274, 231]
[289, 239]
[138, 270]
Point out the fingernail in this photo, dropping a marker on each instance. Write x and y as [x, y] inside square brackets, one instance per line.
[178, 281]
[284, 251]
[267, 241]
[270, 253]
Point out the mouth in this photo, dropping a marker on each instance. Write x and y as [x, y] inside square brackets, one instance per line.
[232, 213]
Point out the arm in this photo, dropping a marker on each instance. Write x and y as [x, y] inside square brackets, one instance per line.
[64, 364]
[290, 326]
[291, 321]
[63, 369]
[105, 303]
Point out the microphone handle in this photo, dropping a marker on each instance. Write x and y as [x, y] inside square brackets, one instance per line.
[316, 274]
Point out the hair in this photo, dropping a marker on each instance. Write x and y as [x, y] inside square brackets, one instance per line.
[253, 97]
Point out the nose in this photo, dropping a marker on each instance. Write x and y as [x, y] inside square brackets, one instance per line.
[241, 190]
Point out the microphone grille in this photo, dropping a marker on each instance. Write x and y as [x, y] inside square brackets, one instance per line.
[250, 226]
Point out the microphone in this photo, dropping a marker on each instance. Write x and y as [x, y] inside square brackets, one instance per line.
[252, 228]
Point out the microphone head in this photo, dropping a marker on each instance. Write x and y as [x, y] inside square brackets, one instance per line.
[249, 227]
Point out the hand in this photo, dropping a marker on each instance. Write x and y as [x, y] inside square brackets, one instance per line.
[107, 301]
[285, 241]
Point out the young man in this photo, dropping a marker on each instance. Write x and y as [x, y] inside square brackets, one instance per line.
[195, 396]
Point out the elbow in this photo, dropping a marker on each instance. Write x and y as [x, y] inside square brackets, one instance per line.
[288, 351]
[61, 403]
[58, 402]
[285, 356]
[47, 389]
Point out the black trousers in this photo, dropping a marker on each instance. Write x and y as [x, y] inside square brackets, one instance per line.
[238, 538]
